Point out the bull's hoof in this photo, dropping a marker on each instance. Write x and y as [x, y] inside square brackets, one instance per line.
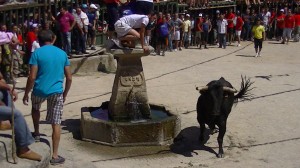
[213, 131]
[201, 140]
[220, 155]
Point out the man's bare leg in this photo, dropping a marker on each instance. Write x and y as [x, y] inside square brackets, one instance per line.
[55, 139]
[36, 119]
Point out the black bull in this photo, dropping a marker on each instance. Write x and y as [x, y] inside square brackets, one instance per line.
[215, 103]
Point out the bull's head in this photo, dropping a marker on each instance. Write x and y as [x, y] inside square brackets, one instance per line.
[215, 95]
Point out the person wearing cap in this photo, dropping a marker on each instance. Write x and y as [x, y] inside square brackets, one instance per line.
[280, 24]
[198, 29]
[80, 30]
[186, 30]
[92, 16]
[289, 24]
[259, 35]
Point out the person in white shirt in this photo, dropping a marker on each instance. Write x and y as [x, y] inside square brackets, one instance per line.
[266, 15]
[125, 29]
[222, 31]
[81, 29]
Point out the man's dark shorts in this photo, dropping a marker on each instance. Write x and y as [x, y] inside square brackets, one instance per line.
[91, 32]
[230, 30]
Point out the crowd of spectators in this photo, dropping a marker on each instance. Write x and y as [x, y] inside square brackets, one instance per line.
[74, 31]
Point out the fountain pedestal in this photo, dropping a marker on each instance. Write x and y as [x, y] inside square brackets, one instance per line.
[129, 82]
[115, 122]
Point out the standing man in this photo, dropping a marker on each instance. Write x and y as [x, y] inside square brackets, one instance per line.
[198, 29]
[81, 30]
[289, 24]
[266, 15]
[259, 35]
[66, 22]
[222, 31]
[246, 26]
[177, 25]
[49, 65]
[230, 27]
[171, 31]
[239, 27]
[280, 24]
[187, 31]
[297, 26]
[92, 16]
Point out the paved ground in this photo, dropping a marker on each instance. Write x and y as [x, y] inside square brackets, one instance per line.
[261, 133]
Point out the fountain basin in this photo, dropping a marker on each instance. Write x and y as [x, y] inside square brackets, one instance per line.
[160, 130]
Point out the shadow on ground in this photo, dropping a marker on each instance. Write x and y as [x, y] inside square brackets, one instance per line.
[187, 142]
[245, 55]
[73, 126]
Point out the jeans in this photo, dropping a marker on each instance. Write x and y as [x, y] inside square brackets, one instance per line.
[80, 42]
[247, 32]
[170, 42]
[296, 33]
[66, 42]
[222, 40]
[22, 133]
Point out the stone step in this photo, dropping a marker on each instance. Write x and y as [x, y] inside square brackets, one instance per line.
[6, 160]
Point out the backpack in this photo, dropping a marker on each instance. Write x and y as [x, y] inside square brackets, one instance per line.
[163, 30]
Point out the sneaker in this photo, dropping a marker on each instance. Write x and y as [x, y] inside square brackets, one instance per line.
[256, 55]
[180, 49]
[93, 48]
[175, 50]
[37, 138]
[163, 54]
[57, 161]
[259, 54]
[238, 45]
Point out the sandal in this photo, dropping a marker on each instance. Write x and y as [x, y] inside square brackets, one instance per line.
[57, 161]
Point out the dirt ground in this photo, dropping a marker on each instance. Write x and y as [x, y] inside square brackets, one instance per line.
[263, 132]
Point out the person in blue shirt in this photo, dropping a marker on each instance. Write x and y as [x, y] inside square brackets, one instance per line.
[48, 67]
[91, 14]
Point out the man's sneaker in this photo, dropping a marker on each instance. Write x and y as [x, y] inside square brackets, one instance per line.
[238, 45]
[57, 161]
[163, 53]
[259, 54]
[180, 49]
[37, 138]
[256, 55]
[175, 50]
[93, 48]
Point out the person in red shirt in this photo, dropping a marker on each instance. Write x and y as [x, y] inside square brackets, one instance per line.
[280, 24]
[239, 27]
[289, 24]
[198, 29]
[30, 38]
[230, 27]
[297, 26]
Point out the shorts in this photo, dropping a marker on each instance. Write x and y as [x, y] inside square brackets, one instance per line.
[198, 34]
[162, 40]
[121, 28]
[279, 32]
[204, 36]
[91, 32]
[55, 105]
[230, 30]
[287, 32]
[176, 36]
[258, 43]
[238, 32]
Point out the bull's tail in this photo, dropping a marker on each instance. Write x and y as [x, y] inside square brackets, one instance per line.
[244, 93]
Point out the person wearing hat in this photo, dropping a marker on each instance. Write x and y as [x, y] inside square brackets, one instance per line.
[259, 35]
[186, 30]
[92, 16]
[280, 24]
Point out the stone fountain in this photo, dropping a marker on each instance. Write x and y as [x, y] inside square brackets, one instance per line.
[128, 119]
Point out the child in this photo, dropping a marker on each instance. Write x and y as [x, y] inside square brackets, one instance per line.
[258, 32]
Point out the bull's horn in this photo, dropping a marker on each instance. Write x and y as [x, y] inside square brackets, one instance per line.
[228, 89]
[203, 89]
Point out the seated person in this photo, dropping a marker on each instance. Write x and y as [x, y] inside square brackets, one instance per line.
[23, 137]
[125, 29]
